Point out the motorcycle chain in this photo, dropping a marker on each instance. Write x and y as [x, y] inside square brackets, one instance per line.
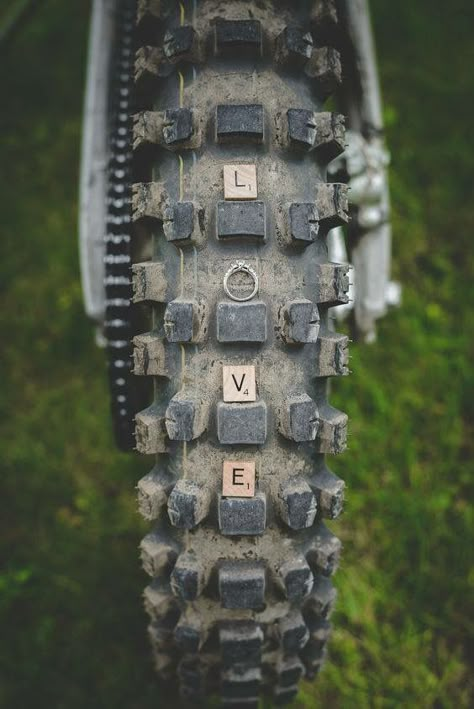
[119, 311]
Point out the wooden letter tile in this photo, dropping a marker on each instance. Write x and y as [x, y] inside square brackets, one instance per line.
[238, 478]
[239, 383]
[240, 182]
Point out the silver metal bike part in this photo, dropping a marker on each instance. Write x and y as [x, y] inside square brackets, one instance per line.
[95, 158]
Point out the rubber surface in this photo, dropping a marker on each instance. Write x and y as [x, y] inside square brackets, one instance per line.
[240, 595]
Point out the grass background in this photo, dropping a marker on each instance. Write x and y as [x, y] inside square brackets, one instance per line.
[72, 625]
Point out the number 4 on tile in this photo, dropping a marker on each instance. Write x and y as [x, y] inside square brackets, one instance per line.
[239, 383]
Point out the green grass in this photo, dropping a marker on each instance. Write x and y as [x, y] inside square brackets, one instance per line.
[72, 625]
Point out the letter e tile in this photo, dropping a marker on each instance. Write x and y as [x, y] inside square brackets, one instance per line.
[238, 478]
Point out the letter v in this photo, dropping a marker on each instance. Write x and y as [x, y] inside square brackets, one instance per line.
[238, 386]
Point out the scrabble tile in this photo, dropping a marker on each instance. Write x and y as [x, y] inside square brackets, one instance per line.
[239, 383]
[240, 181]
[238, 478]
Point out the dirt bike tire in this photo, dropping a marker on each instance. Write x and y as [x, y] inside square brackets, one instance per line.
[240, 593]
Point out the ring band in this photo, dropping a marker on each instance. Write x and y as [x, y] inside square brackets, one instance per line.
[241, 266]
